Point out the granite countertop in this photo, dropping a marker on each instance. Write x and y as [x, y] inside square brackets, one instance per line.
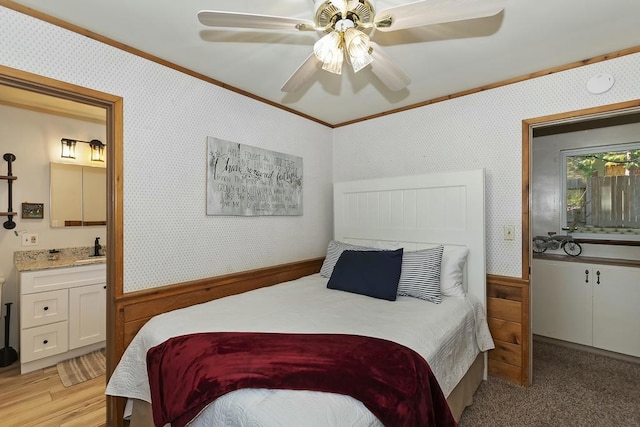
[45, 259]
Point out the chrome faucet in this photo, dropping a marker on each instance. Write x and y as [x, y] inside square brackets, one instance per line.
[96, 247]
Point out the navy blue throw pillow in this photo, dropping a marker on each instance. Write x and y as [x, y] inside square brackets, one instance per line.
[372, 273]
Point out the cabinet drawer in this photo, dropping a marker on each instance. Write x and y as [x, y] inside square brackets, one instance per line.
[43, 308]
[43, 341]
[61, 278]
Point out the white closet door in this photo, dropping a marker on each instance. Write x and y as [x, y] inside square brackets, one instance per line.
[616, 309]
[562, 301]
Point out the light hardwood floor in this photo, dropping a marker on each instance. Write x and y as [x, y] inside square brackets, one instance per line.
[38, 399]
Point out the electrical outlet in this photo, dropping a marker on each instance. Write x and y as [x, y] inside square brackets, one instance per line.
[509, 232]
[29, 239]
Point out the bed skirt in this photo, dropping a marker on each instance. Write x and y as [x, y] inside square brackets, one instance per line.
[462, 394]
[459, 398]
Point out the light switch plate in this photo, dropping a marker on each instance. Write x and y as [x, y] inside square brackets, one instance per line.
[29, 239]
[509, 232]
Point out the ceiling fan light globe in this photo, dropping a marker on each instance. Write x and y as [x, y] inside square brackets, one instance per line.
[356, 42]
[359, 62]
[328, 46]
[334, 65]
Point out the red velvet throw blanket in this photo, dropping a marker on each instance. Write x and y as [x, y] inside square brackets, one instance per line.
[188, 372]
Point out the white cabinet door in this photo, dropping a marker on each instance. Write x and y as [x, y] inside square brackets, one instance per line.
[87, 315]
[562, 302]
[616, 309]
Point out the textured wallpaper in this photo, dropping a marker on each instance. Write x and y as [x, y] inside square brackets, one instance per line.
[168, 238]
[482, 130]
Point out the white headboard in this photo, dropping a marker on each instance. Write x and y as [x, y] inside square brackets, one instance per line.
[417, 212]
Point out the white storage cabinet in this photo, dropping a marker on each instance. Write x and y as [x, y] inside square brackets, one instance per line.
[590, 304]
[62, 314]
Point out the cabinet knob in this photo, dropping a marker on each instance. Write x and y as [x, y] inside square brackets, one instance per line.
[586, 276]
[598, 277]
[46, 308]
[104, 287]
[45, 342]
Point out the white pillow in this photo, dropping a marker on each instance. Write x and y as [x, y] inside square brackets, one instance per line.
[451, 274]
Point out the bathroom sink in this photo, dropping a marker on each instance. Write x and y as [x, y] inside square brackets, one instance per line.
[91, 260]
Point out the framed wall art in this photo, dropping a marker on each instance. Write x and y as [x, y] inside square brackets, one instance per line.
[250, 181]
[33, 210]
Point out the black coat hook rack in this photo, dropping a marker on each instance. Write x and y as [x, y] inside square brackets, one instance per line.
[9, 223]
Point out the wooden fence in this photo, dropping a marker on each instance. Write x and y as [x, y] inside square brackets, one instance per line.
[613, 201]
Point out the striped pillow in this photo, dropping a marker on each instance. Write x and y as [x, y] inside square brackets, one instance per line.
[334, 250]
[420, 276]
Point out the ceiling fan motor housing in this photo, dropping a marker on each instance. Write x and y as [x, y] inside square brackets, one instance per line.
[327, 14]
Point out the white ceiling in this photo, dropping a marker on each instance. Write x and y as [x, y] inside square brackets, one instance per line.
[528, 36]
[21, 98]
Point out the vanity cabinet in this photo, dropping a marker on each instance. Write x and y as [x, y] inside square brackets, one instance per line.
[62, 314]
[87, 315]
[589, 304]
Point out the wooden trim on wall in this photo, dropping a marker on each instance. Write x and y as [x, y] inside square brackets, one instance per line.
[102, 39]
[527, 133]
[115, 247]
[113, 106]
[508, 317]
[138, 307]
[507, 82]
[142, 54]
[584, 113]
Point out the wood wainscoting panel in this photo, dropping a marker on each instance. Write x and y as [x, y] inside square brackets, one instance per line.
[505, 331]
[507, 353]
[135, 308]
[508, 318]
[505, 309]
[504, 370]
[138, 307]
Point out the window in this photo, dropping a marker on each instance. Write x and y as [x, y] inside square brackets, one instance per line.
[601, 191]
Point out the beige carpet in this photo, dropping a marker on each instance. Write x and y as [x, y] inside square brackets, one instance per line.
[570, 388]
[82, 368]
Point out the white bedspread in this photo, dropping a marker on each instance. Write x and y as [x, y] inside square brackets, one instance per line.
[448, 335]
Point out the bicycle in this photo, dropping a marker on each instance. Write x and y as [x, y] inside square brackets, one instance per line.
[554, 241]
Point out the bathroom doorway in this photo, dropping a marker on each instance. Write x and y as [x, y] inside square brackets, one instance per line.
[113, 110]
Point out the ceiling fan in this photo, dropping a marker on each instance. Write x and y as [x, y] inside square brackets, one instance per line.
[348, 25]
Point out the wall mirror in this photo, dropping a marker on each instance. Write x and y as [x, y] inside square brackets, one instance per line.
[78, 195]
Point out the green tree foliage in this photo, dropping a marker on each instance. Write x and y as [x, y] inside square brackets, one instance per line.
[586, 166]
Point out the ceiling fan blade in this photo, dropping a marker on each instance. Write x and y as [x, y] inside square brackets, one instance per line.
[214, 18]
[302, 74]
[428, 12]
[387, 71]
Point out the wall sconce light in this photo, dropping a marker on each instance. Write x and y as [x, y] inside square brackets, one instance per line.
[97, 150]
[68, 148]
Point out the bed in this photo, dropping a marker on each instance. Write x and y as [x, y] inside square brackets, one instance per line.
[416, 213]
